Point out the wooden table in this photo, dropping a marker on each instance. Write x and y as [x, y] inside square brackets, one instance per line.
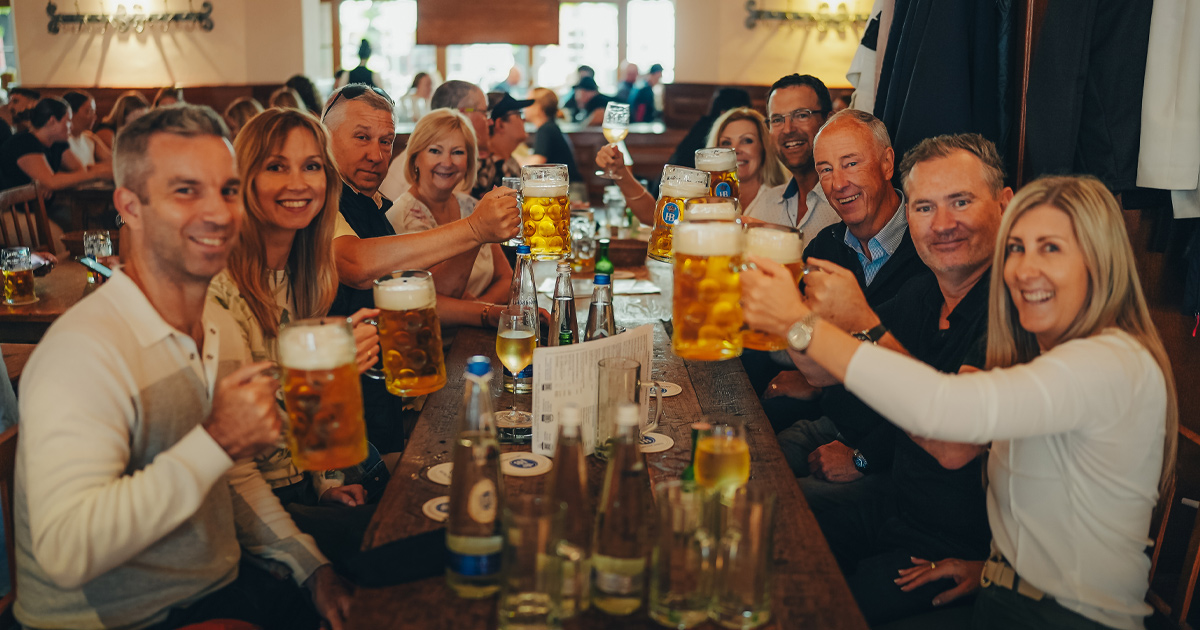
[58, 291]
[809, 589]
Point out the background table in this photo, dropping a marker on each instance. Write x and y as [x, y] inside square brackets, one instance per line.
[57, 291]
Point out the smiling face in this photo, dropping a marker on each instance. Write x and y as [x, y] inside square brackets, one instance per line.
[362, 144]
[290, 188]
[443, 164]
[953, 214]
[856, 176]
[1046, 273]
[794, 140]
[742, 137]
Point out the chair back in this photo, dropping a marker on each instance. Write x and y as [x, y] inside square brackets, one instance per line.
[1172, 602]
[23, 221]
[8, 461]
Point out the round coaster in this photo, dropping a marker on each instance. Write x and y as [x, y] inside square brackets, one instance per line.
[656, 443]
[437, 508]
[623, 275]
[524, 464]
[668, 389]
[440, 474]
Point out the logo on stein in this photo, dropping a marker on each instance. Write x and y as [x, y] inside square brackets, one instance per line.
[481, 505]
[723, 189]
[670, 213]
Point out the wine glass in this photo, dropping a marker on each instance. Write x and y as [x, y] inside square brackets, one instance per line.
[516, 337]
[616, 127]
[723, 457]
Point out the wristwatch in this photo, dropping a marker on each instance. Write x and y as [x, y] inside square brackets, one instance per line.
[800, 334]
[872, 335]
[860, 463]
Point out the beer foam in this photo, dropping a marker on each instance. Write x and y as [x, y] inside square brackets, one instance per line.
[404, 294]
[716, 159]
[782, 246]
[724, 210]
[716, 238]
[544, 189]
[683, 190]
[315, 347]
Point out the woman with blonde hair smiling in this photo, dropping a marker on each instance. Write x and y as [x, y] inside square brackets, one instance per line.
[1078, 403]
[745, 131]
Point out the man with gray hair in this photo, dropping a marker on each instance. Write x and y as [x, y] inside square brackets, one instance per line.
[471, 102]
[136, 491]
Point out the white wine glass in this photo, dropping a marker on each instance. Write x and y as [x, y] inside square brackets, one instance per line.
[616, 127]
[722, 459]
[516, 338]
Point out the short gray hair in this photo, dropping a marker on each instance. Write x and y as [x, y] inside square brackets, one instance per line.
[874, 125]
[335, 104]
[130, 166]
[945, 146]
[453, 94]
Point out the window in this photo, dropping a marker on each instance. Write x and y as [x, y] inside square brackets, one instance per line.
[650, 43]
[391, 28]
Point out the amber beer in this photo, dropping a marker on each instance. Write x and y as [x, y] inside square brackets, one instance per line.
[785, 246]
[721, 165]
[707, 310]
[322, 395]
[410, 335]
[678, 185]
[546, 211]
[16, 266]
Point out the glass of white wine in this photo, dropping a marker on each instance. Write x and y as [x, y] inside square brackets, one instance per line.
[722, 459]
[516, 337]
[616, 127]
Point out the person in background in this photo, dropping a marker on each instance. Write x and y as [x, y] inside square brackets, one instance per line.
[629, 77]
[307, 91]
[591, 102]
[82, 142]
[641, 102]
[723, 100]
[239, 112]
[168, 96]
[42, 155]
[550, 144]
[286, 97]
[440, 155]
[470, 101]
[361, 73]
[20, 101]
[569, 105]
[745, 131]
[506, 118]
[511, 83]
[128, 106]
[416, 102]
[840, 103]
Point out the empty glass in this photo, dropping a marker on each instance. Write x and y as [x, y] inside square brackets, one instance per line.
[620, 381]
[682, 562]
[534, 556]
[744, 572]
[583, 241]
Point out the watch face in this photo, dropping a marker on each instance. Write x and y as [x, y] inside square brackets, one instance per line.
[799, 337]
[860, 462]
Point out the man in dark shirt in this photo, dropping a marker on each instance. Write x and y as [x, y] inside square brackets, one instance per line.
[934, 505]
[641, 103]
[629, 77]
[591, 102]
[550, 145]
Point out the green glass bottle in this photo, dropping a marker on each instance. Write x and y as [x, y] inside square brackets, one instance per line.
[603, 264]
[700, 430]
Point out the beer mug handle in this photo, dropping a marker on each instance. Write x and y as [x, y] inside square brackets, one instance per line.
[575, 555]
[374, 373]
[657, 388]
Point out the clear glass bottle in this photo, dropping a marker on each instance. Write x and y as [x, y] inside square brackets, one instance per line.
[600, 322]
[621, 542]
[568, 484]
[564, 327]
[614, 211]
[473, 535]
[522, 292]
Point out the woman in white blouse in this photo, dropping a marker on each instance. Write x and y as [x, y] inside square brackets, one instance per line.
[1078, 404]
[472, 287]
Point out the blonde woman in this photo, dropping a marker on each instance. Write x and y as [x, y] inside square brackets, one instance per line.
[128, 106]
[239, 112]
[286, 97]
[1078, 403]
[745, 131]
[473, 286]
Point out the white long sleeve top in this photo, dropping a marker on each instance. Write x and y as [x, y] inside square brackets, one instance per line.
[1077, 443]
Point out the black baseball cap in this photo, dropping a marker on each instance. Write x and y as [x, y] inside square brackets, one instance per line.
[501, 103]
[587, 83]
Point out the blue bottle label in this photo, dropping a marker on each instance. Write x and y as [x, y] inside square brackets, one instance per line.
[670, 213]
[526, 373]
[473, 566]
[723, 189]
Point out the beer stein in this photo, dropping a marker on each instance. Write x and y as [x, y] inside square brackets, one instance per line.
[536, 557]
[620, 382]
[682, 562]
[410, 335]
[322, 394]
[97, 245]
[706, 302]
[546, 210]
[721, 165]
[583, 241]
[16, 266]
[678, 184]
[785, 246]
[744, 571]
[515, 184]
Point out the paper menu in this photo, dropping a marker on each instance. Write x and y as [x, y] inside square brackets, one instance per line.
[567, 375]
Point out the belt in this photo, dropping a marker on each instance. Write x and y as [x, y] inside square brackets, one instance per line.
[998, 571]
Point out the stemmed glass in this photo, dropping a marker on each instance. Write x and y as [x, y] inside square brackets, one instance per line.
[516, 338]
[616, 127]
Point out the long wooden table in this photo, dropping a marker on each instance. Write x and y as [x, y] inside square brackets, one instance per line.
[58, 291]
[809, 591]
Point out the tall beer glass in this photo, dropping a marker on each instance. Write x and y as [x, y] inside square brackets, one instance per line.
[717, 208]
[546, 211]
[678, 184]
[721, 165]
[16, 266]
[783, 245]
[322, 394]
[410, 335]
[707, 309]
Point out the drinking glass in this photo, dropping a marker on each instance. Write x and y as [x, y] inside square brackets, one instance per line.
[516, 338]
[682, 562]
[97, 245]
[534, 558]
[616, 127]
[16, 266]
[620, 382]
[743, 571]
[515, 184]
[722, 460]
[546, 210]
[583, 241]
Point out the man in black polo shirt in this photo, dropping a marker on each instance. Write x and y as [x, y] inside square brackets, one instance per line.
[362, 128]
[934, 505]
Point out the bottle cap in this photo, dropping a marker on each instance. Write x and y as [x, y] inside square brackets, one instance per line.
[604, 241]
[522, 249]
[570, 416]
[627, 415]
[601, 278]
[479, 365]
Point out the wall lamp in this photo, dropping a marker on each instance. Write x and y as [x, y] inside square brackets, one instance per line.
[822, 20]
[135, 18]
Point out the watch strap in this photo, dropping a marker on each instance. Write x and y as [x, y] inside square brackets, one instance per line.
[872, 335]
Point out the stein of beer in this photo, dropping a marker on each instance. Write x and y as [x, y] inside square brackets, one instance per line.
[410, 335]
[707, 309]
[678, 184]
[97, 245]
[546, 211]
[16, 266]
[321, 393]
[712, 208]
[783, 245]
[721, 165]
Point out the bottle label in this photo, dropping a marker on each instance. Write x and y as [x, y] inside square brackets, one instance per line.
[723, 189]
[473, 566]
[481, 503]
[614, 583]
[670, 213]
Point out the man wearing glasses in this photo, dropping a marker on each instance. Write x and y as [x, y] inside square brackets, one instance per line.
[508, 131]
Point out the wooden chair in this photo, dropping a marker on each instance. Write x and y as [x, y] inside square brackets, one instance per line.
[23, 221]
[1171, 609]
[8, 461]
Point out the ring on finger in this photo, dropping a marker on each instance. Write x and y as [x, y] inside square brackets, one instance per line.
[932, 566]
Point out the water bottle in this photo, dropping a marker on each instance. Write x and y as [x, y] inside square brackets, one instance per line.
[473, 534]
[622, 534]
[522, 293]
[568, 484]
[600, 322]
[564, 327]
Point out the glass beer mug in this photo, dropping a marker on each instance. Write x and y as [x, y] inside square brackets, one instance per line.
[546, 211]
[322, 394]
[679, 184]
[16, 266]
[706, 306]
[785, 246]
[721, 165]
[681, 565]
[410, 335]
[620, 382]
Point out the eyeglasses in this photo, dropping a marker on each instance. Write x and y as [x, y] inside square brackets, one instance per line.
[353, 91]
[797, 116]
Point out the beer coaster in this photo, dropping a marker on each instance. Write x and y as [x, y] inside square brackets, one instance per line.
[524, 464]
[623, 275]
[440, 474]
[437, 508]
[668, 389]
[656, 443]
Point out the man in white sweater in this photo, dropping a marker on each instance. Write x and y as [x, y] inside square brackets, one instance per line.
[135, 488]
